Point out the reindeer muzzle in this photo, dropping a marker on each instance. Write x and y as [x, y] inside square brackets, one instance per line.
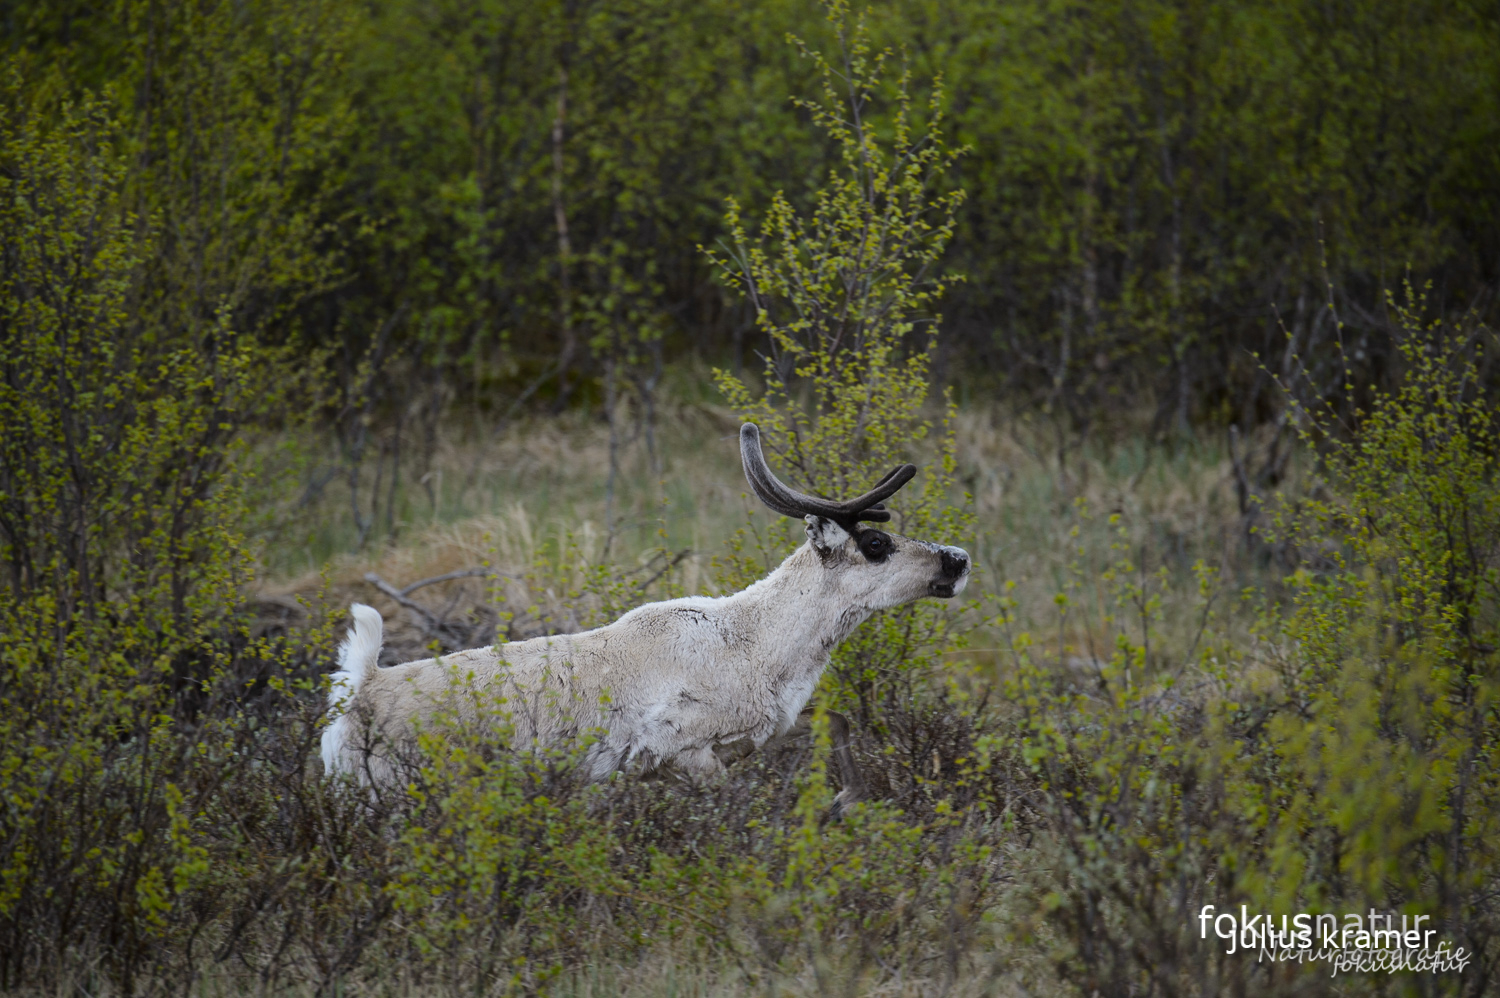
[954, 566]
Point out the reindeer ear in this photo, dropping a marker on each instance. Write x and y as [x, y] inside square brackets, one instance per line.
[825, 535]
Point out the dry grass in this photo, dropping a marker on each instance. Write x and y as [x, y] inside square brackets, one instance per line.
[516, 502]
[556, 468]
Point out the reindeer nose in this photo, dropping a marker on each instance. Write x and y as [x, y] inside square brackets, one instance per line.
[955, 562]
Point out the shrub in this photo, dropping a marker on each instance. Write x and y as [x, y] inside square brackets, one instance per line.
[844, 295]
[1384, 729]
[1333, 763]
[120, 508]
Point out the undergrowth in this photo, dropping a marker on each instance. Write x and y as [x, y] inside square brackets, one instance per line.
[1125, 727]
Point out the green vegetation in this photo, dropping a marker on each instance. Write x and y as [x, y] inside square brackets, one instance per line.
[472, 295]
[840, 294]
[487, 202]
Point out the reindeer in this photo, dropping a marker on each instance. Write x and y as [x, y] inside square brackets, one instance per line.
[675, 684]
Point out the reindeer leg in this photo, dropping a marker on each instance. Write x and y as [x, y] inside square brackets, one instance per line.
[855, 789]
[698, 764]
[730, 753]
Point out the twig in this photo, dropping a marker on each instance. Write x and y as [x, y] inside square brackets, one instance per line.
[315, 486]
[463, 573]
[668, 566]
[1241, 477]
[429, 621]
[437, 624]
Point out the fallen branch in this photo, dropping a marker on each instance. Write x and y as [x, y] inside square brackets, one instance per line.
[437, 625]
[430, 623]
[463, 573]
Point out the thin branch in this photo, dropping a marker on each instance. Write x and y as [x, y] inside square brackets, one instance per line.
[465, 573]
[668, 566]
[429, 621]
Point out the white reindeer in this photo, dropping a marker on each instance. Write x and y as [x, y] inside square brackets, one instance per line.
[673, 683]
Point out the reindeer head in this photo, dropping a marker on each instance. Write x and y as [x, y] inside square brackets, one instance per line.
[872, 568]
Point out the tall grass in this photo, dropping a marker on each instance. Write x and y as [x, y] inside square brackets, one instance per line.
[527, 496]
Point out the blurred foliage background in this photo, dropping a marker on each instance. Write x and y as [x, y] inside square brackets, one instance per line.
[455, 306]
[500, 202]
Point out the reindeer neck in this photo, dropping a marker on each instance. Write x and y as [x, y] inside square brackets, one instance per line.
[795, 612]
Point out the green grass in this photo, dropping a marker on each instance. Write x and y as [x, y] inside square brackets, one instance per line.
[523, 496]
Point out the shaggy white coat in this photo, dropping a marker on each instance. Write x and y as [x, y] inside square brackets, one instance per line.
[666, 684]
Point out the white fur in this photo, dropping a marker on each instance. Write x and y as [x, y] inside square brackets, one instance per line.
[681, 676]
[358, 658]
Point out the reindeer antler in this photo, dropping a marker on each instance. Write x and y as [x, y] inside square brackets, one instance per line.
[787, 502]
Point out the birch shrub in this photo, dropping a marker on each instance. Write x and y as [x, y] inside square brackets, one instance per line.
[121, 559]
[1335, 759]
[112, 544]
[1382, 731]
[844, 295]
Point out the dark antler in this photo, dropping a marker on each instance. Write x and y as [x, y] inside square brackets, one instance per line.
[785, 501]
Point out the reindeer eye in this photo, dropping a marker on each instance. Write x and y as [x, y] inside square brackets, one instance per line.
[874, 545]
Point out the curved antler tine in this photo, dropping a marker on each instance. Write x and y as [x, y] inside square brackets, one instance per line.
[789, 502]
[767, 486]
[873, 500]
[887, 477]
[879, 507]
